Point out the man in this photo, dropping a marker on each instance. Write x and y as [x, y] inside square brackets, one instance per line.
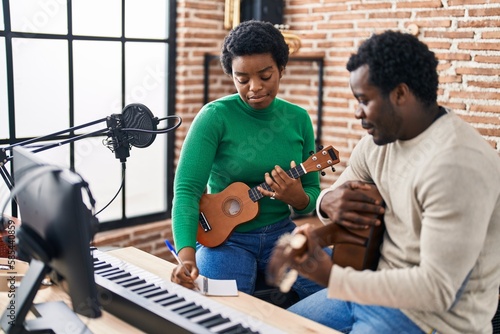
[439, 269]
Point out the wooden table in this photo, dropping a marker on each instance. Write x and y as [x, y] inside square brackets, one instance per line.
[108, 323]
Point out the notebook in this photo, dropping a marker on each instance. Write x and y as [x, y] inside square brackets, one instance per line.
[216, 287]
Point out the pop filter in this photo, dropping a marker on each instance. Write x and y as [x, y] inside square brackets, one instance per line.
[137, 116]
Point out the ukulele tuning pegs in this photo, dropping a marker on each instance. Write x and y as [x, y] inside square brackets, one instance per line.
[323, 173]
[333, 169]
[320, 147]
[311, 152]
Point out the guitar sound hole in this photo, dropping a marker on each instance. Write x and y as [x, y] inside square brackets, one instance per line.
[232, 207]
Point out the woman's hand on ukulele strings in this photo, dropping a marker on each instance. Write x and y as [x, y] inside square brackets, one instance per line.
[286, 188]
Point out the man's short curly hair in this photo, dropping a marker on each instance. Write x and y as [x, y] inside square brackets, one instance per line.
[395, 57]
[253, 37]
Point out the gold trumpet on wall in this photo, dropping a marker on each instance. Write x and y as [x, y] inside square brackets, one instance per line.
[293, 41]
[231, 14]
[232, 19]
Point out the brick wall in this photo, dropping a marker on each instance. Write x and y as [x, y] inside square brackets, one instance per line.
[464, 34]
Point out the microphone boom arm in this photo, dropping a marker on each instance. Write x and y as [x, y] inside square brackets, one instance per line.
[122, 130]
[4, 158]
[49, 136]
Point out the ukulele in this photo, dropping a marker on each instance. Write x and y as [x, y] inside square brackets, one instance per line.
[221, 213]
[356, 248]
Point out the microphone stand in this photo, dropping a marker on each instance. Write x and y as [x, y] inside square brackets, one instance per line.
[6, 177]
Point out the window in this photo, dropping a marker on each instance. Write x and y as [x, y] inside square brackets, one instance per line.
[66, 64]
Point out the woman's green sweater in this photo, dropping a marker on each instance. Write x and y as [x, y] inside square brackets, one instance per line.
[229, 141]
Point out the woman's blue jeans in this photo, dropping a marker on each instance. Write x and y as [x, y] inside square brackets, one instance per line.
[348, 317]
[244, 255]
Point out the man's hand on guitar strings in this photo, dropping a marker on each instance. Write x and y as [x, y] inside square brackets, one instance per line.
[278, 271]
[315, 263]
[354, 204]
[298, 252]
[285, 188]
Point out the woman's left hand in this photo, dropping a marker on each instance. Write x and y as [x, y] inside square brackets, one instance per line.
[286, 188]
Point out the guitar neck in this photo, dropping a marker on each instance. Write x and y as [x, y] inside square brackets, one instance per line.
[256, 195]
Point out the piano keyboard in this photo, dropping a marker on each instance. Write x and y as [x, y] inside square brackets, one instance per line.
[155, 305]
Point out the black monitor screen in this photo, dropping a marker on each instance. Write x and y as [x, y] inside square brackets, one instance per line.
[57, 226]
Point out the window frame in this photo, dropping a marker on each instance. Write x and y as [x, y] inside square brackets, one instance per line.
[170, 42]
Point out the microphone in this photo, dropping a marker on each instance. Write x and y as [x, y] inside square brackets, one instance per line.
[135, 126]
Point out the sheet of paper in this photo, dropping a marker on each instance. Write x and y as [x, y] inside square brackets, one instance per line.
[217, 287]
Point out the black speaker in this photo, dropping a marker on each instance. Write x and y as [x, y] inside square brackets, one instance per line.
[262, 10]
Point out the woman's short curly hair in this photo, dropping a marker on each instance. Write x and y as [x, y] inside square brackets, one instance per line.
[253, 37]
[395, 57]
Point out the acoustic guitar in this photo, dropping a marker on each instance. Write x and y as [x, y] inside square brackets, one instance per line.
[221, 213]
[356, 248]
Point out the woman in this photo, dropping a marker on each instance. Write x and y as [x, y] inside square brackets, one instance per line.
[250, 137]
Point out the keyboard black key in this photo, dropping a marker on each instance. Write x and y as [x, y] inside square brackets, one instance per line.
[156, 293]
[110, 272]
[172, 301]
[144, 287]
[236, 329]
[164, 298]
[118, 276]
[102, 266]
[147, 291]
[127, 280]
[214, 321]
[133, 283]
[195, 313]
[187, 308]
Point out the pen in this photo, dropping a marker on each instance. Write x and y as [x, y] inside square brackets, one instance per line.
[174, 253]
